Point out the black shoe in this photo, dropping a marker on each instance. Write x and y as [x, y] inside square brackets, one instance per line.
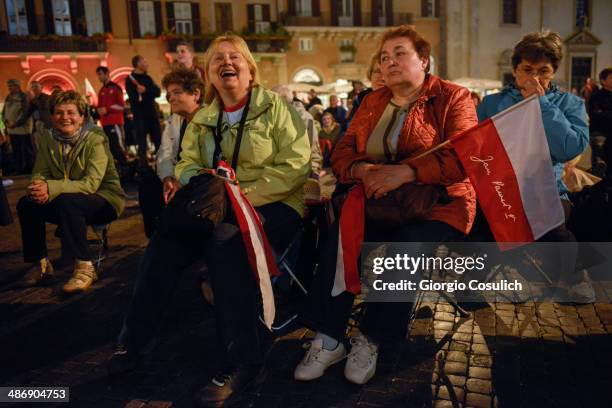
[122, 361]
[227, 386]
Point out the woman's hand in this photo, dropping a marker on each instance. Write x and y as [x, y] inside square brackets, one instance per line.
[532, 86]
[380, 179]
[171, 186]
[39, 191]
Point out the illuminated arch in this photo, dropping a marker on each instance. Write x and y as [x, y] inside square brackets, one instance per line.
[118, 75]
[51, 77]
[307, 75]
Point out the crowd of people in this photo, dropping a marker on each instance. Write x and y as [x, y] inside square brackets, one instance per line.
[225, 127]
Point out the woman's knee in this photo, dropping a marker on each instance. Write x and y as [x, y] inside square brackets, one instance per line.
[26, 205]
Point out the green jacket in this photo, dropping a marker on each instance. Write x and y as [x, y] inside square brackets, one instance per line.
[91, 168]
[274, 158]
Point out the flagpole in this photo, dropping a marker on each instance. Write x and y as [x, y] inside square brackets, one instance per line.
[433, 149]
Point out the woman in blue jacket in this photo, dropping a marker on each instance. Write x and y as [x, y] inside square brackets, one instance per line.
[535, 61]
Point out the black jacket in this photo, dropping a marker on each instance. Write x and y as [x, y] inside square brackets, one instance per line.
[600, 112]
[142, 105]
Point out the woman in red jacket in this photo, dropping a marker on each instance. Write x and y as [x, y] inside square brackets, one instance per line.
[414, 112]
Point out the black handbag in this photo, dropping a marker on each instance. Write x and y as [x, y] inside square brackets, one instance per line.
[202, 204]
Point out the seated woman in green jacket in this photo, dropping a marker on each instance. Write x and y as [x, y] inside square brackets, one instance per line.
[74, 184]
[272, 165]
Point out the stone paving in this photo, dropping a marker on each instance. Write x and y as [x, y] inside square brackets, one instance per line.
[503, 355]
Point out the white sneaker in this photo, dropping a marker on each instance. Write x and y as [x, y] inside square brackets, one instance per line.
[317, 359]
[361, 361]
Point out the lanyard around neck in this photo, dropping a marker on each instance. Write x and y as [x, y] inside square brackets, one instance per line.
[219, 135]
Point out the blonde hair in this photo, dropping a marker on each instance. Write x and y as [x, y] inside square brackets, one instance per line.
[373, 61]
[210, 93]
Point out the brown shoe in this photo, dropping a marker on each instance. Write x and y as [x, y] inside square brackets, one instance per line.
[37, 272]
[83, 277]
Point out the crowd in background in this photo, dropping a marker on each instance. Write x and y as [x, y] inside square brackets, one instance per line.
[272, 144]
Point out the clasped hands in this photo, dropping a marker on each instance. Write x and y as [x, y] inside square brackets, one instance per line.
[39, 191]
[380, 179]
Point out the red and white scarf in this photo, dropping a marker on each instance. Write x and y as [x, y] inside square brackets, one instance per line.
[259, 252]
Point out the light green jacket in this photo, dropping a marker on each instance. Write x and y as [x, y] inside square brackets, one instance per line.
[274, 158]
[90, 169]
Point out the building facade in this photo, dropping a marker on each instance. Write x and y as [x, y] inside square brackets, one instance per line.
[61, 42]
[479, 36]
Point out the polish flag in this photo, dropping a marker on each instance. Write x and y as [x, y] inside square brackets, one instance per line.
[507, 159]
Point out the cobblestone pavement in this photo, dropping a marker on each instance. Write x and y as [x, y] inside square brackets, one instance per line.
[506, 355]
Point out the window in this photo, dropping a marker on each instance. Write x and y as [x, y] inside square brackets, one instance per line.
[582, 68]
[93, 16]
[305, 44]
[583, 13]
[261, 25]
[510, 12]
[381, 12]
[61, 17]
[428, 8]
[223, 17]
[304, 8]
[345, 18]
[146, 18]
[347, 50]
[17, 17]
[183, 20]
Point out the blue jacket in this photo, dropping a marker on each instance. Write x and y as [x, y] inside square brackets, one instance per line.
[565, 123]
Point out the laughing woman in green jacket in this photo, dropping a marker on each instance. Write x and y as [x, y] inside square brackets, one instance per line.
[272, 165]
[74, 184]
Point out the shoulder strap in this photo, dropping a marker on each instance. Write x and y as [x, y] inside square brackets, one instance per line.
[219, 136]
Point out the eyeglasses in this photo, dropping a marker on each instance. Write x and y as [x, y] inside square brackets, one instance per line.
[544, 73]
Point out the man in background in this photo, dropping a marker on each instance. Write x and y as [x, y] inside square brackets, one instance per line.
[18, 123]
[110, 110]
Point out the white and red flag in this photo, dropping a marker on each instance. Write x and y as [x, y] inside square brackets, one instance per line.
[507, 159]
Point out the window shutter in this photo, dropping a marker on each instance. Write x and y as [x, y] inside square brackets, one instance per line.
[266, 12]
[334, 11]
[437, 10]
[77, 17]
[251, 18]
[357, 12]
[424, 12]
[31, 14]
[159, 26]
[389, 12]
[135, 21]
[170, 15]
[108, 28]
[374, 21]
[316, 8]
[48, 9]
[291, 7]
[195, 18]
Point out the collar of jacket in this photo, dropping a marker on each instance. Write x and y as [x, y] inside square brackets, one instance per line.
[260, 102]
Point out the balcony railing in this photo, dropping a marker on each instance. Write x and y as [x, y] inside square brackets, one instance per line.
[366, 20]
[10, 43]
[256, 43]
[308, 21]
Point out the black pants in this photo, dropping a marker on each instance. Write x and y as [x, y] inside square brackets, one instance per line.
[146, 127]
[383, 321]
[242, 338]
[151, 200]
[23, 153]
[115, 134]
[72, 212]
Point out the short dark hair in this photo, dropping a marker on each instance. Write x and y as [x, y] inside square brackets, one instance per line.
[538, 46]
[188, 79]
[604, 73]
[186, 44]
[135, 60]
[102, 68]
[421, 45]
[69, 97]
